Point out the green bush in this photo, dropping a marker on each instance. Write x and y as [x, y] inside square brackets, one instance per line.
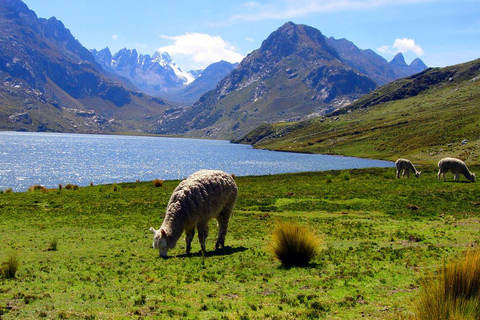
[294, 245]
[454, 293]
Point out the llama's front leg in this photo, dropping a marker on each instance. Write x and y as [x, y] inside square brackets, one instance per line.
[188, 238]
[202, 228]
[456, 177]
[222, 232]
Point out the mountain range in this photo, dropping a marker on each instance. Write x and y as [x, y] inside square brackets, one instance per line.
[50, 82]
[297, 73]
[159, 76]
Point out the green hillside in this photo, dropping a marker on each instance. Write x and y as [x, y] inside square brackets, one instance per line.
[423, 117]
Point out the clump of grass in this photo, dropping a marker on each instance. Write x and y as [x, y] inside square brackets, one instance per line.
[346, 175]
[329, 178]
[53, 245]
[9, 267]
[37, 188]
[72, 187]
[157, 183]
[294, 245]
[454, 293]
[115, 187]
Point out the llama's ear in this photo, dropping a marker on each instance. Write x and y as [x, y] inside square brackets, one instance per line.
[152, 230]
[163, 233]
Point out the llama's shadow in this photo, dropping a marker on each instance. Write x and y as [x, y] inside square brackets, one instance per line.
[225, 251]
[461, 181]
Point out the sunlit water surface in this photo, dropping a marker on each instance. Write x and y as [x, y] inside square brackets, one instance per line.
[50, 159]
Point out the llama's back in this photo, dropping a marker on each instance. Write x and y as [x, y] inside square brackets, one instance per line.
[203, 195]
[402, 164]
[452, 164]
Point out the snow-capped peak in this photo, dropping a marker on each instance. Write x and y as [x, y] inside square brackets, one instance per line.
[164, 59]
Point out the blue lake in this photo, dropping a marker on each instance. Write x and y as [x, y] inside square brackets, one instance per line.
[50, 159]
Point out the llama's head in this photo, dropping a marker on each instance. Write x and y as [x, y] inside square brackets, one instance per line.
[473, 177]
[160, 241]
[417, 174]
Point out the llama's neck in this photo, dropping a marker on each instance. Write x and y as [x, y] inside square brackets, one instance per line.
[173, 226]
[467, 173]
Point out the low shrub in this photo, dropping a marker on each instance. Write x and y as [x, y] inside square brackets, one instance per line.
[9, 268]
[294, 245]
[157, 183]
[72, 187]
[454, 293]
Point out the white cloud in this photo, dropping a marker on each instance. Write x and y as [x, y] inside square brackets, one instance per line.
[198, 50]
[115, 37]
[288, 9]
[403, 45]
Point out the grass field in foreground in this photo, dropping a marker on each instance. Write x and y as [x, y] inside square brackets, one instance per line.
[380, 236]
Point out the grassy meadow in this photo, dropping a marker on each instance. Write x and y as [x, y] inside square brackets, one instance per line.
[87, 253]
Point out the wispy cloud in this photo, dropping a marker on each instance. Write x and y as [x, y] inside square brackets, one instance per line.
[288, 9]
[403, 45]
[115, 37]
[201, 50]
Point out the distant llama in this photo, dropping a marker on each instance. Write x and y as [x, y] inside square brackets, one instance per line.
[204, 195]
[456, 166]
[406, 166]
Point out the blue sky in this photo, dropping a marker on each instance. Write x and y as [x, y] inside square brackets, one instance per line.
[196, 33]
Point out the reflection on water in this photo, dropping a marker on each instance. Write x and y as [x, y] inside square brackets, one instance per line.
[50, 159]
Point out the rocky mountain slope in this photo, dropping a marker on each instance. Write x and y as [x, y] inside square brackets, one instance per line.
[50, 82]
[297, 73]
[373, 65]
[429, 115]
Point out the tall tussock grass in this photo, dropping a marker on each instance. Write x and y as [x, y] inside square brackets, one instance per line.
[157, 183]
[9, 268]
[454, 293]
[294, 245]
[37, 188]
